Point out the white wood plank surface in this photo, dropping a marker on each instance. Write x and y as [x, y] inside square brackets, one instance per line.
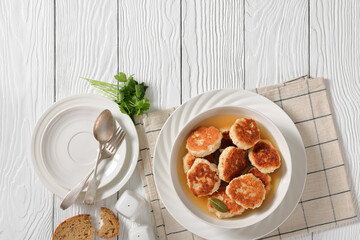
[212, 46]
[86, 44]
[334, 54]
[149, 47]
[276, 41]
[26, 90]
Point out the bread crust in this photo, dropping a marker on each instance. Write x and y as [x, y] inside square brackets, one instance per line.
[115, 222]
[84, 216]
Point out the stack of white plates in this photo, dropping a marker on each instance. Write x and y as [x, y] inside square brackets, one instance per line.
[64, 149]
[202, 103]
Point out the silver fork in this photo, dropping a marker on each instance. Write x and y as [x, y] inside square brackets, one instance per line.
[108, 152]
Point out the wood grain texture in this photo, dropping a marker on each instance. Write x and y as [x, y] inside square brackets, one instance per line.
[149, 47]
[276, 41]
[26, 89]
[334, 38]
[212, 46]
[86, 45]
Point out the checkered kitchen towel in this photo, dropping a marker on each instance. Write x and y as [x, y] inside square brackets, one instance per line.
[326, 201]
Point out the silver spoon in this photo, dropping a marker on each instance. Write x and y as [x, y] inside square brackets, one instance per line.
[104, 129]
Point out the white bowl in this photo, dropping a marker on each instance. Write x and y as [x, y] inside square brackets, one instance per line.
[285, 170]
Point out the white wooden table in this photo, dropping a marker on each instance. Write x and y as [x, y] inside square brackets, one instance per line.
[180, 48]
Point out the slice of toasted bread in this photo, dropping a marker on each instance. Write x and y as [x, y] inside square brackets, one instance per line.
[75, 228]
[110, 227]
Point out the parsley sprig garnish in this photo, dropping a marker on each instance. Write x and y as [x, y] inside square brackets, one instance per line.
[127, 93]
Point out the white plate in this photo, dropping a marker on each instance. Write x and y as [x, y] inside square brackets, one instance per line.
[64, 150]
[69, 149]
[284, 173]
[239, 98]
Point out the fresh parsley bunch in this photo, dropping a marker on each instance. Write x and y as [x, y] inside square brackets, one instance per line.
[127, 93]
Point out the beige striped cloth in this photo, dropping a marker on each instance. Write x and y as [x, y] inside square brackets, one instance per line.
[327, 199]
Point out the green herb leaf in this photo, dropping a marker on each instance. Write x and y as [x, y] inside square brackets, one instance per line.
[130, 96]
[218, 205]
[121, 77]
[140, 90]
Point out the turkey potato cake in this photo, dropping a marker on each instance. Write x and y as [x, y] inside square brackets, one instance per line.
[264, 157]
[244, 133]
[202, 178]
[247, 191]
[203, 141]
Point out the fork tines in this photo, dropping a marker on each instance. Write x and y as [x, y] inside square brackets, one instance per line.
[117, 139]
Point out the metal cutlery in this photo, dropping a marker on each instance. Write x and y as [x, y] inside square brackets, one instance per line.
[108, 152]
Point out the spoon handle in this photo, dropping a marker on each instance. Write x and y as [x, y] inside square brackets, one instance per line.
[92, 186]
[71, 197]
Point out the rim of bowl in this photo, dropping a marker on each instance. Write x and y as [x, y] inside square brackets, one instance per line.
[174, 156]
